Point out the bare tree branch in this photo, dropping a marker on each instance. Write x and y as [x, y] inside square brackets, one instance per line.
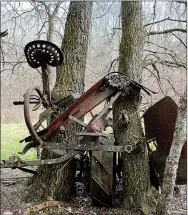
[158, 76]
[56, 8]
[171, 54]
[162, 20]
[182, 2]
[166, 63]
[113, 63]
[167, 31]
[158, 80]
[154, 10]
[173, 64]
[13, 68]
[9, 62]
[97, 17]
[180, 40]
[162, 47]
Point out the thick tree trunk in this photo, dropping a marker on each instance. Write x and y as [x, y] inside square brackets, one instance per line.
[128, 130]
[57, 181]
[170, 172]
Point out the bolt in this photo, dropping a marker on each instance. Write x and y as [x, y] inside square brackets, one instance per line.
[129, 148]
[61, 129]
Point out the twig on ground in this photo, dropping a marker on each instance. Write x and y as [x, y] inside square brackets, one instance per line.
[41, 206]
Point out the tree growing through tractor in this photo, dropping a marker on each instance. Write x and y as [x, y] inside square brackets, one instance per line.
[57, 181]
[127, 124]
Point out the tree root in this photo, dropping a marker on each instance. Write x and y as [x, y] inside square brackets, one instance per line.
[144, 206]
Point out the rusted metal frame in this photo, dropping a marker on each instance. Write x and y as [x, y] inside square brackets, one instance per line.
[113, 99]
[27, 147]
[22, 103]
[99, 122]
[159, 121]
[79, 108]
[101, 183]
[15, 162]
[110, 137]
[94, 134]
[89, 100]
[103, 186]
[78, 121]
[45, 80]
[98, 158]
[43, 116]
[47, 113]
[59, 103]
[89, 147]
[96, 119]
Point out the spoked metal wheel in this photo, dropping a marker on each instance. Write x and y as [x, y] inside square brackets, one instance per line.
[30, 98]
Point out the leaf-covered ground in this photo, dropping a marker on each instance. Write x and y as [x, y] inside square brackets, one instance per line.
[13, 185]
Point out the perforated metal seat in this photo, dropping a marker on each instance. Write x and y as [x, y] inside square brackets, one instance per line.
[40, 52]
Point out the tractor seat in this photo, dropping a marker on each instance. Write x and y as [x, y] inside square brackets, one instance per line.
[40, 52]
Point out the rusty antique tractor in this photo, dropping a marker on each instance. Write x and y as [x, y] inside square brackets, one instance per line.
[159, 125]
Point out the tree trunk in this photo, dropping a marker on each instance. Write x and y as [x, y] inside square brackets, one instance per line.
[172, 161]
[128, 130]
[57, 181]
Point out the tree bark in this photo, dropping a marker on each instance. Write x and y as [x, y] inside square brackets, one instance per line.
[56, 181]
[128, 130]
[170, 172]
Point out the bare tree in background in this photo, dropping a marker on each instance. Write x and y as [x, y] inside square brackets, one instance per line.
[170, 172]
[165, 49]
[172, 60]
[26, 21]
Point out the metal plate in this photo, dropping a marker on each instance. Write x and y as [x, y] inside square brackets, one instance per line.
[101, 182]
[159, 122]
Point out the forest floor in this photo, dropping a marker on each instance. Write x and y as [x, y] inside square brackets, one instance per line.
[14, 182]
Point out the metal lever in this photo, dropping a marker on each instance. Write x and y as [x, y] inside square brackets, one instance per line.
[78, 121]
[22, 103]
